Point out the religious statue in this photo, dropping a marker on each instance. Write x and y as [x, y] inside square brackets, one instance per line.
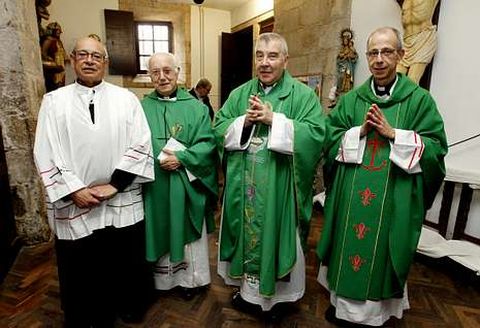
[419, 36]
[346, 60]
[54, 57]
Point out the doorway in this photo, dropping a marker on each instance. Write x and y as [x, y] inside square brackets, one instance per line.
[236, 57]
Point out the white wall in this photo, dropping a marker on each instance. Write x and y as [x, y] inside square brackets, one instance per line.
[454, 85]
[249, 10]
[455, 75]
[78, 19]
[455, 71]
[367, 15]
[206, 30]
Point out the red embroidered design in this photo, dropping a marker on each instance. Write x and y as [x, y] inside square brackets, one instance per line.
[356, 262]
[374, 145]
[360, 230]
[367, 195]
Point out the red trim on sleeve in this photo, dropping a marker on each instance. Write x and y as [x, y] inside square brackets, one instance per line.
[411, 160]
[43, 172]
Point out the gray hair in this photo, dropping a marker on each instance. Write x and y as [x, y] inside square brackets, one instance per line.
[105, 52]
[384, 30]
[165, 54]
[271, 37]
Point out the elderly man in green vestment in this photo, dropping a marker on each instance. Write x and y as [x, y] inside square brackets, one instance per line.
[270, 132]
[179, 204]
[384, 155]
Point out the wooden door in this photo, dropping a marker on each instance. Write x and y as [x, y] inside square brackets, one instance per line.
[236, 57]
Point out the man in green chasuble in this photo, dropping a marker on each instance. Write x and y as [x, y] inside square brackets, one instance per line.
[270, 134]
[179, 204]
[384, 158]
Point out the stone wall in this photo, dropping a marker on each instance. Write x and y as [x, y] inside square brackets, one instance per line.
[312, 29]
[179, 16]
[21, 90]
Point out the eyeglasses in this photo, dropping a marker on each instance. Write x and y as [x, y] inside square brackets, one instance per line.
[385, 52]
[167, 71]
[83, 55]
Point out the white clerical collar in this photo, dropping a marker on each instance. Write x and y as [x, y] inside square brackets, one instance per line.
[166, 98]
[267, 88]
[382, 88]
[171, 97]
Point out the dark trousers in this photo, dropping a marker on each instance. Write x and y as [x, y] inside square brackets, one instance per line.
[103, 275]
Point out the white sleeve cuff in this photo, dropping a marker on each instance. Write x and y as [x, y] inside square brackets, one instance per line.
[280, 138]
[352, 147]
[406, 150]
[233, 136]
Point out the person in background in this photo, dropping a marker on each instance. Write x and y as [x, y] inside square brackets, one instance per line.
[270, 133]
[201, 92]
[384, 155]
[93, 151]
[179, 204]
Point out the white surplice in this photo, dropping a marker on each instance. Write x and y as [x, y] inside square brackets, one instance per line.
[71, 152]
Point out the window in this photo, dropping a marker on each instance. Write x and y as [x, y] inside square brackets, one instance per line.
[152, 37]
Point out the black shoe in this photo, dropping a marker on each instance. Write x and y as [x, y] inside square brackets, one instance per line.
[237, 301]
[274, 315]
[330, 314]
[187, 293]
[246, 307]
[132, 316]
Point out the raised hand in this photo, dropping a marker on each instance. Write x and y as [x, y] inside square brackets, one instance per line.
[378, 121]
[259, 111]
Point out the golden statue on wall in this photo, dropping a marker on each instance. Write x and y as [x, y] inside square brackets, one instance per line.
[54, 57]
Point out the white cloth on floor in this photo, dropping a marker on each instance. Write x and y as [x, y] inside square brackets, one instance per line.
[434, 245]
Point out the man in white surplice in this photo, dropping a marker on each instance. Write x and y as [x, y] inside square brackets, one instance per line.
[92, 150]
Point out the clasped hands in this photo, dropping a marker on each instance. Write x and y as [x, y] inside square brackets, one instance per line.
[170, 162]
[92, 196]
[375, 119]
[258, 112]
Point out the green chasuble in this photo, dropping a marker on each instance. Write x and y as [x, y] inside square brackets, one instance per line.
[175, 207]
[268, 194]
[374, 210]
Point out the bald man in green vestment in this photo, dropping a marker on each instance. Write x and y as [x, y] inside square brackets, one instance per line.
[385, 153]
[270, 133]
[179, 204]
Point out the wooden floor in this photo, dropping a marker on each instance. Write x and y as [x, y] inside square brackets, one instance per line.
[441, 295]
